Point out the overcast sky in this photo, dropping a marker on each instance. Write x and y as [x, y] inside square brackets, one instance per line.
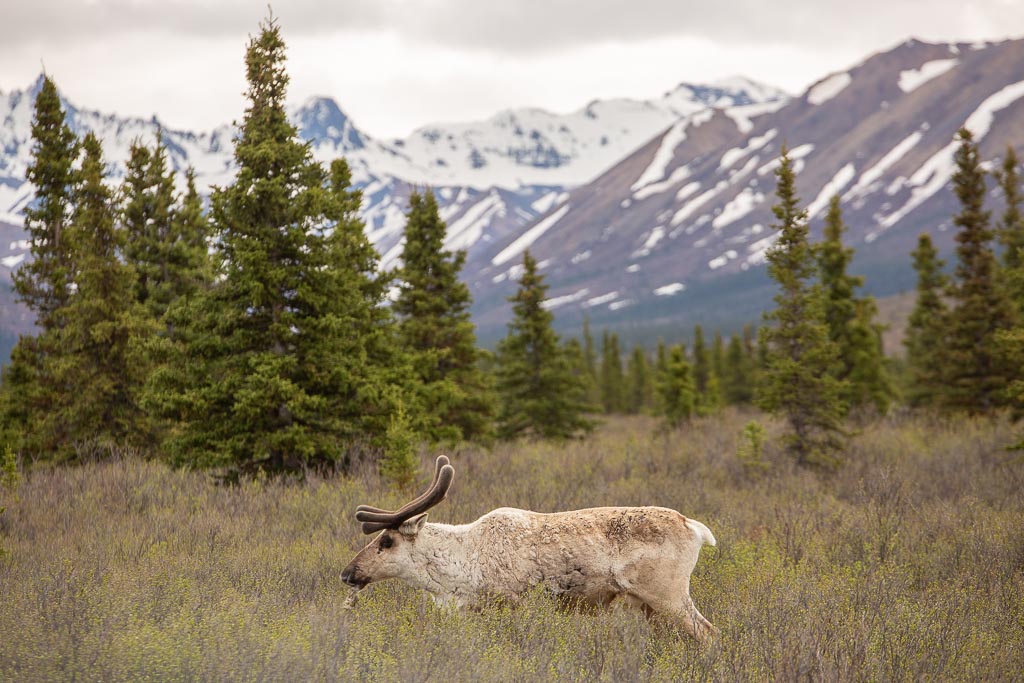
[394, 65]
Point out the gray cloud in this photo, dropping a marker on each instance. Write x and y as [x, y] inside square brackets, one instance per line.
[525, 26]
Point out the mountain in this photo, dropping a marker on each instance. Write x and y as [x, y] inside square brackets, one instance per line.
[676, 232]
[491, 177]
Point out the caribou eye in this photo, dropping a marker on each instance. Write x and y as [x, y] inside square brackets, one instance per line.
[386, 541]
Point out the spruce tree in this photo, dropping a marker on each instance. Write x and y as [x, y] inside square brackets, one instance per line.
[676, 389]
[539, 395]
[660, 373]
[190, 253]
[167, 238]
[291, 360]
[1011, 231]
[613, 396]
[850, 319]
[44, 282]
[797, 382]
[709, 399]
[590, 361]
[435, 327]
[976, 374]
[638, 382]
[926, 328]
[737, 381]
[100, 405]
[577, 360]
[718, 357]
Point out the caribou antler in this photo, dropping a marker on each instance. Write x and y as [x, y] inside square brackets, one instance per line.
[375, 519]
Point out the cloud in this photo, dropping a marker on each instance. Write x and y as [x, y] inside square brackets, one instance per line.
[525, 26]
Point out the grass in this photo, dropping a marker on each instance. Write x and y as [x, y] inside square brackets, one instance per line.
[908, 564]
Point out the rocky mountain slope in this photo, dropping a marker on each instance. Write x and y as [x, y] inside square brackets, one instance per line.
[492, 177]
[677, 232]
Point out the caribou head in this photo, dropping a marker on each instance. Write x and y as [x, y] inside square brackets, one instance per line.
[389, 555]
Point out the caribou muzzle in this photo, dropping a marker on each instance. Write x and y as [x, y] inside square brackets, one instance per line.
[350, 578]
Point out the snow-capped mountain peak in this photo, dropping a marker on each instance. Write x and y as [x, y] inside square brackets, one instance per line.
[320, 119]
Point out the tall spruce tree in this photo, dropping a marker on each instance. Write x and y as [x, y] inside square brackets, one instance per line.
[291, 360]
[44, 282]
[539, 394]
[976, 373]
[926, 327]
[29, 392]
[676, 388]
[435, 327]
[797, 382]
[850, 319]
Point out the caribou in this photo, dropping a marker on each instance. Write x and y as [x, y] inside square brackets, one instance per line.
[641, 557]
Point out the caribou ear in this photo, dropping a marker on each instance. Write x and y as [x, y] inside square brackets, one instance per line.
[412, 526]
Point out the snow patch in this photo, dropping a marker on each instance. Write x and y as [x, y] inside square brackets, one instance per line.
[687, 190]
[688, 209]
[678, 175]
[936, 172]
[555, 302]
[980, 122]
[465, 232]
[736, 153]
[833, 187]
[655, 171]
[722, 260]
[12, 261]
[738, 207]
[829, 88]
[796, 154]
[743, 116]
[523, 242]
[548, 201]
[652, 239]
[757, 252]
[927, 180]
[670, 289]
[912, 79]
[603, 299]
[871, 175]
[580, 257]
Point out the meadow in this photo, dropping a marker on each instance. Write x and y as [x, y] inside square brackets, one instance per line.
[906, 564]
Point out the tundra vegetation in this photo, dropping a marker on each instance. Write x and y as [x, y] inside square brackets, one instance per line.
[210, 394]
[903, 565]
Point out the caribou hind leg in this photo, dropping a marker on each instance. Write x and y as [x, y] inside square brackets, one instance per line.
[676, 609]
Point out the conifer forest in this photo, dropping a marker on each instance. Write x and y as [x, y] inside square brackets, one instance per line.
[215, 383]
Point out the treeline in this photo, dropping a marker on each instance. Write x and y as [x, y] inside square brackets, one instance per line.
[259, 333]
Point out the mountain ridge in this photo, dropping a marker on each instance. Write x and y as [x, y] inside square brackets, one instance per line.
[678, 230]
